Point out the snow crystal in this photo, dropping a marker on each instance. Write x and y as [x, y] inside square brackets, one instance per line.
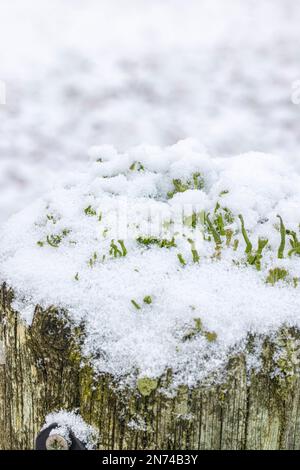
[146, 247]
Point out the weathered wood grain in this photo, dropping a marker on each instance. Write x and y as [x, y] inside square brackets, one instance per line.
[44, 372]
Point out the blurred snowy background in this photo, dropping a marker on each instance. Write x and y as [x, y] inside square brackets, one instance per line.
[80, 73]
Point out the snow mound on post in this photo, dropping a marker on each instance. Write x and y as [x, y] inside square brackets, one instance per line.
[171, 257]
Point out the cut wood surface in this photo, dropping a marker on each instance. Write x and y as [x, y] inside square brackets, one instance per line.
[44, 372]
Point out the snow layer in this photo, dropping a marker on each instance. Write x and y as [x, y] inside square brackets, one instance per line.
[119, 247]
[80, 73]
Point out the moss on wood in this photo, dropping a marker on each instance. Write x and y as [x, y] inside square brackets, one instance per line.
[44, 371]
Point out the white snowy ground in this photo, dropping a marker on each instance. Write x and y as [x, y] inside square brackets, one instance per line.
[124, 72]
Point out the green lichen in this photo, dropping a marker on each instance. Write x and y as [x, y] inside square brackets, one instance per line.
[236, 244]
[213, 230]
[197, 329]
[218, 226]
[228, 215]
[123, 247]
[117, 252]
[195, 182]
[228, 235]
[254, 259]
[162, 243]
[194, 220]
[211, 336]
[280, 253]
[135, 304]
[179, 187]
[245, 235]
[190, 220]
[146, 386]
[167, 224]
[147, 299]
[181, 259]
[137, 166]
[90, 211]
[198, 324]
[55, 240]
[51, 218]
[195, 254]
[198, 181]
[294, 242]
[275, 275]
[93, 260]
[168, 243]
[219, 223]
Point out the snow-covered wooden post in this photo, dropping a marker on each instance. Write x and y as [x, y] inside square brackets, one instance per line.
[187, 338]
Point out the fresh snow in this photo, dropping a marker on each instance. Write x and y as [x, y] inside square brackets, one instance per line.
[141, 309]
